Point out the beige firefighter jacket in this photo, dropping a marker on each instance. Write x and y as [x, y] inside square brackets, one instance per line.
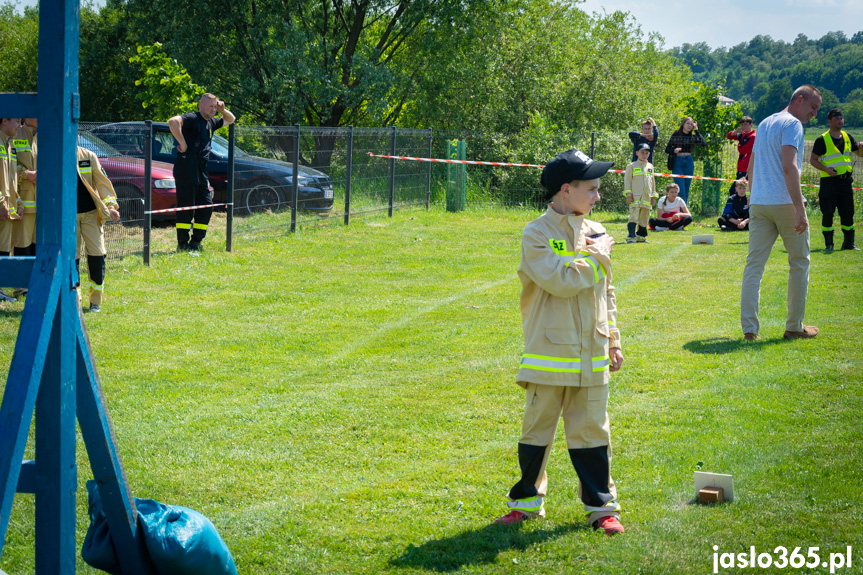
[639, 181]
[9, 177]
[568, 307]
[25, 147]
[97, 183]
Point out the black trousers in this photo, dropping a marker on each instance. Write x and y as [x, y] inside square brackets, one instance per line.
[193, 221]
[836, 193]
[725, 224]
[684, 221]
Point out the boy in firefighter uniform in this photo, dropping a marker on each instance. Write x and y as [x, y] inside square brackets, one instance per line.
[831, 155]
[24, 232]
[571, 343]
[10, 204]
[97, 202]
[640, 189]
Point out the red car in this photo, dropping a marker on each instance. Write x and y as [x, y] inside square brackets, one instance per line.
[127, 176]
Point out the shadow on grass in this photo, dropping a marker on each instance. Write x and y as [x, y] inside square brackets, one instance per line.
[476, 547]
[721, 345]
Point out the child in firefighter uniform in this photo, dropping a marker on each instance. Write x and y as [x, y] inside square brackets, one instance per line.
[24, 233]
[571, 343]
[10, 203]
[640, 189]
[97, 202]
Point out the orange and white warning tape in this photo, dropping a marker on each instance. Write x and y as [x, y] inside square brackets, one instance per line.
[542, 166]
[172, 210]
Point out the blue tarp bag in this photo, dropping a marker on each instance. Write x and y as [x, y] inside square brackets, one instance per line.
[179, 540]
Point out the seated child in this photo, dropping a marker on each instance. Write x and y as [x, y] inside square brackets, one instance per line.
[671, 211]
[735, 216]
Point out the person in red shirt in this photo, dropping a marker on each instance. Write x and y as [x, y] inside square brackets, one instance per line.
[745, 137]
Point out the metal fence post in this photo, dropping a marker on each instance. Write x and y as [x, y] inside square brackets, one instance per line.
[392, 169]
[348, 166]
[429, 175]
[148, 189]
[295, 178]
[229, 231]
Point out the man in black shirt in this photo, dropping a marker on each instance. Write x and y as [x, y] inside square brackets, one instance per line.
[193, 132]
[832, 156]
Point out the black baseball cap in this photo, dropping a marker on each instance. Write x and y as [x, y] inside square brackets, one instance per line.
[569, 166]
[642, 146]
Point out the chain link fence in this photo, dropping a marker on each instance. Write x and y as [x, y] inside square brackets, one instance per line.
[339, 176]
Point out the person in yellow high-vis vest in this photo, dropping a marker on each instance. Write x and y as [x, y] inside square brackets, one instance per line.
[10, 203]
[639, 185]
[831, 155]
[571, 343]
[97, 203]
[24, 232]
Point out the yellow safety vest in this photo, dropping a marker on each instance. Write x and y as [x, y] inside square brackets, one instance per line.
[833, 158]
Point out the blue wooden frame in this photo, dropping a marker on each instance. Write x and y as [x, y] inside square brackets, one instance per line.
[53, 375]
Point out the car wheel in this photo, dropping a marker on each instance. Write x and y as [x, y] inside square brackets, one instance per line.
[131, 201]
[262, 196]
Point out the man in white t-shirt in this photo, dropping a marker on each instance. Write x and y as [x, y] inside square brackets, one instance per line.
[776, 209]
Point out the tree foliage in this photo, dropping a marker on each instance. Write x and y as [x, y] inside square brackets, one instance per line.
[169, 89]
[833, 62]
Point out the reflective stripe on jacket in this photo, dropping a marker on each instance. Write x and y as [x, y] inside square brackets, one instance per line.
[833, 158]
[568, 306]
[97, 183]
[8, 175]
[25, 146]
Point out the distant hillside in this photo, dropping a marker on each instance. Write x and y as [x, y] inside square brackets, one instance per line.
[761, 73]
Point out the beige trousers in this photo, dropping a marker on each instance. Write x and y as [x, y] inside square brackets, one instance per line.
[767, 222]
[639, 215]
[585, 422]
[6, 244]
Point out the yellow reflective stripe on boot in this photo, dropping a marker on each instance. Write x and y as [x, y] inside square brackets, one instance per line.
[198, 226]
[97, 287]
[549, 363]
[184, 226]
[610, 506]
[826, 229]
[847, 228]
[600, 363]
[531, 504]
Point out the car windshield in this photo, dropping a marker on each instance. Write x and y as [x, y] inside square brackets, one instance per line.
[101, 148]
[219, 145]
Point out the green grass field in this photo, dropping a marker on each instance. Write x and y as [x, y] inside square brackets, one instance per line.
[342, 400]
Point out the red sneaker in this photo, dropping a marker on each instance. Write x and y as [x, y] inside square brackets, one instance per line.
[514, 516]
[609, 524]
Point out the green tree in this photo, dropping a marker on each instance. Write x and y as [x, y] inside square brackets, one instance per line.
[777, 97]
[20, 34]
[168, 88]
[715, 120]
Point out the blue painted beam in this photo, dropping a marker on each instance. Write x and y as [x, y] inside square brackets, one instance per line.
[19, 104]
[56, 473]
[25, 375]
[16, 271]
